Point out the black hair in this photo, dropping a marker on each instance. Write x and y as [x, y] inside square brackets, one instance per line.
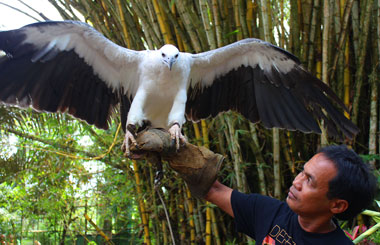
[354, 181]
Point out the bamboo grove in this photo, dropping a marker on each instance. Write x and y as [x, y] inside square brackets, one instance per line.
[339, 41]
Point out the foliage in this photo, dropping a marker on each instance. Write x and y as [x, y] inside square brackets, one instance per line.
[46, 159]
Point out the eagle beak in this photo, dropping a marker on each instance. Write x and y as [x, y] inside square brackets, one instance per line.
[171, 62]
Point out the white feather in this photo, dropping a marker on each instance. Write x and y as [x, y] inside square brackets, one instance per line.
[114, 64]
[251, 52]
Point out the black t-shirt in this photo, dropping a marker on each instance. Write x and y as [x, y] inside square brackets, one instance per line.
[263, 217]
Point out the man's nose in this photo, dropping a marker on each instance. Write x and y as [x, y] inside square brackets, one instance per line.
[297, 182]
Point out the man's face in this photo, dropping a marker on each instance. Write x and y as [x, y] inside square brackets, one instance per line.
[307, 196]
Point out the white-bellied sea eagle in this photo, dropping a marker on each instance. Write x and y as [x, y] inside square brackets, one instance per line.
[68, 66]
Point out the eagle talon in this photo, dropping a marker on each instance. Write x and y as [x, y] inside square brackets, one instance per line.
[176, 135]
[130, 137]
[132, 129]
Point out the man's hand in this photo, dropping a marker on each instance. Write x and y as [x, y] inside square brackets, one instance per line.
[198, 166]
[220, 195]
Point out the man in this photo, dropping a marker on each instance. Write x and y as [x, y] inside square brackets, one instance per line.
[334, 183]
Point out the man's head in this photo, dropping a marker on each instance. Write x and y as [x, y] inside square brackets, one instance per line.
[335, 181]
[354, 181]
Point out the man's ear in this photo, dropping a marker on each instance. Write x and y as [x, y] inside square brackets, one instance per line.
[338, 206]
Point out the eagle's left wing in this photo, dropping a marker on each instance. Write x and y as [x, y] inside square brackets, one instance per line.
[264, 83]
[67, 66]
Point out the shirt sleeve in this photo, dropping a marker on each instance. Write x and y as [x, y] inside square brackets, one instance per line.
[254, 213]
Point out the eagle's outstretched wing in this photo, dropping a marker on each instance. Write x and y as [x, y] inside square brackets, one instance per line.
[264, 83]
[66, 66]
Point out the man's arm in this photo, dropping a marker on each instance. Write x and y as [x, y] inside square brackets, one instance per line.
[220, 195]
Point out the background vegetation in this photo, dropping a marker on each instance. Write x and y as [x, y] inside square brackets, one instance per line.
[55, 169]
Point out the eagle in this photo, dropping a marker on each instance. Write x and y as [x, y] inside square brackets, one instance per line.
[69, 67]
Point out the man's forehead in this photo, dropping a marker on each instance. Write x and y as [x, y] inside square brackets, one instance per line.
[320, 167]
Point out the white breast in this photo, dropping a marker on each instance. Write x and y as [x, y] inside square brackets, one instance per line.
[161, 86]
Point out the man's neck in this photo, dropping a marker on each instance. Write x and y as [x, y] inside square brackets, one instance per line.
[316, 225]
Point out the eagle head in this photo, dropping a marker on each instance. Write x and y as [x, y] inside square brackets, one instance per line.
[169, 55]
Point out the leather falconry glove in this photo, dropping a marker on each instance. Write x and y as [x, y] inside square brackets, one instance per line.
[198, 166]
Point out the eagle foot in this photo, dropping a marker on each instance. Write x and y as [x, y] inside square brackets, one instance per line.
[129, 139]
[176, 135]
[132, 129]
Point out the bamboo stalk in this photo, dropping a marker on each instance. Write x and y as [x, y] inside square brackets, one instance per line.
[361, 61]
[243, 18]
[150, 13]
[234, 152]
[378, 30]
[355, 28]
[123, 24]
[249, 18]
[197, 134]
[346, 72]
[282, 40]
[182, 39]
[98, 229]
[200, 216]
[141, 204]
[276, 163]
[325, 58]
[180, 43]
[198, 224]
[217, 21]
[239, 28]
[342, 36]
[191, 218]
[373, 121]
[264, 13]
[206, 23]
[135, 26]
[180, 215]
[228, 19]
[367, 233]
[206, 141]
[208, 224]
[165, 30]
[255, 145]
[208, 214]
[295, 31]
[215, 227]
[209, 218]
[325, 41]
[221, 141]
[378, 47]
[189, 26]
[164, 232]
[105, 18]
[287, 154]
[306, 7]
[146, 25]
[373, 82]
[312, 35]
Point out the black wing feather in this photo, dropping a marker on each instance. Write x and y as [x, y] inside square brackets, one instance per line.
[292, 101]
[49, 80]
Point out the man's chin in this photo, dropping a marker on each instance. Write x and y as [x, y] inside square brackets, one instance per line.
[290, 202]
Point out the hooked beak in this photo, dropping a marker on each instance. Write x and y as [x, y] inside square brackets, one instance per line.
[170, 64]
